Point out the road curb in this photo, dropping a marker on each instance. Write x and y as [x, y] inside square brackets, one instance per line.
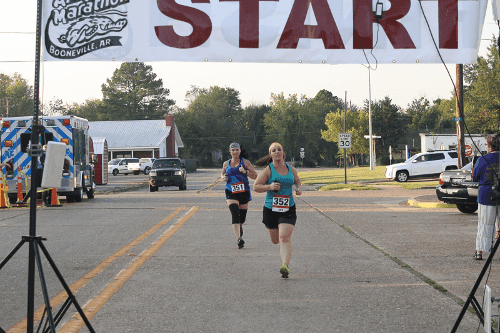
[416, 203]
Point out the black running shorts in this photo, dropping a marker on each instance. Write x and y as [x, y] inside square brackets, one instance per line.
[272, 219]
[243, 197]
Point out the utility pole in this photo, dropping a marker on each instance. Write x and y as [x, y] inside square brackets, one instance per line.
[345, 160]
[460, 115]
[370, 138]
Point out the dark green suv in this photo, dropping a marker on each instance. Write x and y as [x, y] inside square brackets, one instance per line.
[167, 172]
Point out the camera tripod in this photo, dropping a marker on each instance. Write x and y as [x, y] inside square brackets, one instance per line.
[471, 300]
[35, 245]
[34, 241]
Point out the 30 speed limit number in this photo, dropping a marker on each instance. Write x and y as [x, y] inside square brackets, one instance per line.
[345, 140]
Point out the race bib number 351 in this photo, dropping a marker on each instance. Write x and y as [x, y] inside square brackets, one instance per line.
[281, 203]
[238, 188]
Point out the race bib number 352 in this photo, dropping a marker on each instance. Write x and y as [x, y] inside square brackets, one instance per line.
[281, 203]
[238, 188]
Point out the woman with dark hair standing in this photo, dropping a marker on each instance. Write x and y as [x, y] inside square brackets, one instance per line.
[279, 213]
[236, 172]
[485, 172]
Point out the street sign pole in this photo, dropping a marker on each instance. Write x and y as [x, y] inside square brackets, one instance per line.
[345, 154]
[345, 143]
[460, 115]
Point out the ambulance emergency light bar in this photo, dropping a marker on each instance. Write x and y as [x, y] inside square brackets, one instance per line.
[268, 31]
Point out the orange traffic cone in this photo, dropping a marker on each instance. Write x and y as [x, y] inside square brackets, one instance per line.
[54, 201]
[20, 195]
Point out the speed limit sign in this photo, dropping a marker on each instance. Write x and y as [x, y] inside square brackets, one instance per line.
[345, 140]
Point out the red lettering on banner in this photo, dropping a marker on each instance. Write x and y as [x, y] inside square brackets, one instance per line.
[448, 24]
[249, 23]
[295, 29]
[200, 21]
[395, 31]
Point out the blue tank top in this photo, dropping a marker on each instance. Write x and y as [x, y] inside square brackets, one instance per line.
[234, 176]
[484, 173]
[286, 189]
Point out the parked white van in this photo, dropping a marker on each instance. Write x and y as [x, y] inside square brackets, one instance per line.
[123, 166]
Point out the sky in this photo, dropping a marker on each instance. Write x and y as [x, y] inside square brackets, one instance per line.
[76, 82]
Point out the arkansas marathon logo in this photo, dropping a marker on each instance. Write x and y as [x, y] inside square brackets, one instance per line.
[78, 27]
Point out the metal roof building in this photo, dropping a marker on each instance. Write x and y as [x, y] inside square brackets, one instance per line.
[139, 138]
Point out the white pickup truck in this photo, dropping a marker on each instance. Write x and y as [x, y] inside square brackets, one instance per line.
[422, 165]
[145, 165]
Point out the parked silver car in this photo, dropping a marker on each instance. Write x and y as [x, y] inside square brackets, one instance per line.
[456, 187]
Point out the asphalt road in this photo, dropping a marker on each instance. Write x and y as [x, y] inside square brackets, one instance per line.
[363, 261]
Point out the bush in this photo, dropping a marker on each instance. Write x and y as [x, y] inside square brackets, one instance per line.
[383, 160]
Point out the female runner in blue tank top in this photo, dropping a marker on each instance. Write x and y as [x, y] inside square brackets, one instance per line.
[279, 213]
[236, 172]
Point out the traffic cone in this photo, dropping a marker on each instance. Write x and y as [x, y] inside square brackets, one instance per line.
[20, 195]
[54, 201]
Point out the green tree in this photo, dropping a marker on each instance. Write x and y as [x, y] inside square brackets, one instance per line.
[134, 92]
[296, 123]
[388, 122]
[326, 103]
[281, 121]
[16, 96]
[210, 123]
[356, 124]
[482, 96]
[329, 101]
[254, 131]
[91, 109]
[446, 112]
[422, 114]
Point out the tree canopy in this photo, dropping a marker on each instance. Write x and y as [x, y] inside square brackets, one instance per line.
[134, 92]
[356, 124]
[482, 96]
[16, 96]
[210, 123]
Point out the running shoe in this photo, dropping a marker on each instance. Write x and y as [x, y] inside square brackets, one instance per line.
[284, 270]
[241, 243]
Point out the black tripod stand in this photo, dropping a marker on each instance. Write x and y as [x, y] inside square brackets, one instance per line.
[471, 300]
[35, 242]
[35, 245]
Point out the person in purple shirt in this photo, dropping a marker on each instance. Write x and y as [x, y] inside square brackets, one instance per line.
[486, 170]
[235, 172]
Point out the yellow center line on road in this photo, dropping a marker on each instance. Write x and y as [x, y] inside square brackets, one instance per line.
[94, 305]
[75, 286]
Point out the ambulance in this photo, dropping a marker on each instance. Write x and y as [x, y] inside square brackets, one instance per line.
[77, 177]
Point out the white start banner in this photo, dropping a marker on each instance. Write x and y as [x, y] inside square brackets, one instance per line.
[284, 31]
